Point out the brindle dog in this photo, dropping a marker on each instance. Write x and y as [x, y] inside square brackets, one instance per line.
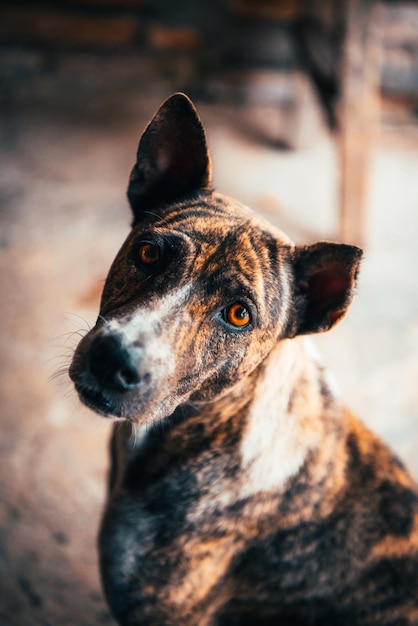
[242, 492]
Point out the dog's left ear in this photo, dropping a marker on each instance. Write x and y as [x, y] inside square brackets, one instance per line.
[172, 159]
[325, 277]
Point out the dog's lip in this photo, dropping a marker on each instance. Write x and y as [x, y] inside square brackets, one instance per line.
[97, 401]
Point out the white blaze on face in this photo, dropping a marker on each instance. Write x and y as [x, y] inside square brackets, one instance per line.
[153, 330]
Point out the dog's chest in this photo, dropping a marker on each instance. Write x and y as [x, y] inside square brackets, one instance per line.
[162, 564]
[162, 537]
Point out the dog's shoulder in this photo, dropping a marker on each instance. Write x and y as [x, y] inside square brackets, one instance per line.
[341, 550]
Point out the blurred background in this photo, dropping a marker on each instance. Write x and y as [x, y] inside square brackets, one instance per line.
[311, 109]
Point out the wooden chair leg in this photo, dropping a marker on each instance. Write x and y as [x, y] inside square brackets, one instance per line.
[359, 116]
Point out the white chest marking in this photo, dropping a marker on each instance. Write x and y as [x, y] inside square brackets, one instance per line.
[275, 443]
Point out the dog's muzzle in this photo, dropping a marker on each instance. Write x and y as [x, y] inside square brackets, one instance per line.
[109, 374]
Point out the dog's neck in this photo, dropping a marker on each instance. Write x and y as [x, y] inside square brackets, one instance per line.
[270, 423]
[287, 417]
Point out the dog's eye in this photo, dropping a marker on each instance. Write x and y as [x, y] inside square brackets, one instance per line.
[238, 315]
[149, 253]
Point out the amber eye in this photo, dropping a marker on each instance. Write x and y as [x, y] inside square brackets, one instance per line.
[238, 315]
[149, 253]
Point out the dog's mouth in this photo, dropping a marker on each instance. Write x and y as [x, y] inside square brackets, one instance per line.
[97, 401]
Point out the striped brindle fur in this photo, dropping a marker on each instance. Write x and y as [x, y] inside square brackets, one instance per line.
[242, 491]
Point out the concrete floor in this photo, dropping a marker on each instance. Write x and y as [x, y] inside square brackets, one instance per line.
[67, 142]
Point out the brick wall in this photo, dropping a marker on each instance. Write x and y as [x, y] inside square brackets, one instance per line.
[188, 26]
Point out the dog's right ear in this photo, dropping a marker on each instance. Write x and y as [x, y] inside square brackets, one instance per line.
[172, 159]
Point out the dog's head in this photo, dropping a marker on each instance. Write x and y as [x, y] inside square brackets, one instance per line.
[202, 289]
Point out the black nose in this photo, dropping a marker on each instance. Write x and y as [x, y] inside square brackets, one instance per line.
[114, 366]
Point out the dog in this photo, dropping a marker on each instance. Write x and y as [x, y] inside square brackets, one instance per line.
[241, 491]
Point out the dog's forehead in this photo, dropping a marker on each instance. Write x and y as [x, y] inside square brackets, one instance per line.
[217, 247]
[218, 228]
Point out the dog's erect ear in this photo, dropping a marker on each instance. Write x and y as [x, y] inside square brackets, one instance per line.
[325, 276]
[172, 159]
